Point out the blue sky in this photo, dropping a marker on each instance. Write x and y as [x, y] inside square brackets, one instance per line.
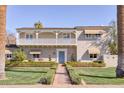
[59, 16]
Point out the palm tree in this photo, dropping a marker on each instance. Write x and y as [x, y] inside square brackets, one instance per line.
[2, 40]
[120, 23]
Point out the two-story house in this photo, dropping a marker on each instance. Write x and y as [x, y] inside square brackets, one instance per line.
[62, 44]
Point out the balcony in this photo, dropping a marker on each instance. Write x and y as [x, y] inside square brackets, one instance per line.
[47, 41]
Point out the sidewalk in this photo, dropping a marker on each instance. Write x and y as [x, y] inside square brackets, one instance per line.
[61, 76]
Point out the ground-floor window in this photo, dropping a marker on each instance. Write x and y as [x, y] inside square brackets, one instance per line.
[9, 56]
[93, 55]
[36, 56]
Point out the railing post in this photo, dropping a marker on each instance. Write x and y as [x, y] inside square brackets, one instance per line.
[56, 38]
[37, 35]
[17, 38]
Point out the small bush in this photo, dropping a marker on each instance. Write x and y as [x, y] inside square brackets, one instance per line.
[19, 55]
[48, 78]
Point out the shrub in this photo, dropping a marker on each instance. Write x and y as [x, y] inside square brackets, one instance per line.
[98, 61]
[48, 78]
[86, 64]
[19, 55]
[75, 78]
[30, 64]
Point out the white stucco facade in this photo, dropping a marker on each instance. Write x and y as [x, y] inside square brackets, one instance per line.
[62, 44]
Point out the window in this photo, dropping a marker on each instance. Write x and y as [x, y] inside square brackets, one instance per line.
[29, 36]
[9, 55]
[36, 55]
[93, 55]
[66, 35]
[92, 36]
[97, 35]
[88, 35]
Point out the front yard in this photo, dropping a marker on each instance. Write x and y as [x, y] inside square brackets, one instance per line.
[93, 75]
[18, 73]
[24, 75]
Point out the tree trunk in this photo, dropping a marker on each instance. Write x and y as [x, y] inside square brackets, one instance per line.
[2, 40]
[120, 24]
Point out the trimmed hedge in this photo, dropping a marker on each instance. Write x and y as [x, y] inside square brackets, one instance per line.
[75, 78]
[87, 64]
[48, 78]
[31, 64]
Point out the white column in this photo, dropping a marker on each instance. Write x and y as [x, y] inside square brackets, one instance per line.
[37, 35]
[17, 38]
[70, 35]
[56, 38]
[76, 37]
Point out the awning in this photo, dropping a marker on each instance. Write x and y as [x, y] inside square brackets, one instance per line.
[8, 52]
[94, 50]
[93, 31]
[35, 52]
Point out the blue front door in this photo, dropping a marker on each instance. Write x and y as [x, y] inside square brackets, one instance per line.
[61, 57]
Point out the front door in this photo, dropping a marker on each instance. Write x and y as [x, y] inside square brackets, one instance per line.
[61, 57]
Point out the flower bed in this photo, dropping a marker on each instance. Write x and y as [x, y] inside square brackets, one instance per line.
[87, 64]
[31, 64]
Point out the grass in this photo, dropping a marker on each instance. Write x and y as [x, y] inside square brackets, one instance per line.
[23, 75]
[99, 76]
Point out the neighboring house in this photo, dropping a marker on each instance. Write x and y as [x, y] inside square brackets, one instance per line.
[10, 46]
[81, 43]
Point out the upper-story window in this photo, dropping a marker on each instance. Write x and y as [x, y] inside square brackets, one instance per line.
[29, 36]
[92, 36]
[66, 35]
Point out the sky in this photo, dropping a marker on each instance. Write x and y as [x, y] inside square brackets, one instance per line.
[59, 16]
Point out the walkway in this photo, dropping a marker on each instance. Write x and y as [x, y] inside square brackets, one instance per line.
[61, 76]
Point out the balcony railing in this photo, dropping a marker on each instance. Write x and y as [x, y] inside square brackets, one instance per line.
[46, 41]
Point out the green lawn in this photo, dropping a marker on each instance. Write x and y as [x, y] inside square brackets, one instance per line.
[24, 75]
[99, 75]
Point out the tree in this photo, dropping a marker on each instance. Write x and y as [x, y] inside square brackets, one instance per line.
[120, 23]
[19, 55]
[2, 40]
[113, 41]
[113, 48]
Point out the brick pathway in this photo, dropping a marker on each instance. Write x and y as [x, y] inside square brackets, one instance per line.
[61, 76]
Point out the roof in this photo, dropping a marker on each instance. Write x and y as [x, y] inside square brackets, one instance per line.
[92, 27]
[75, 28]
[25, 28]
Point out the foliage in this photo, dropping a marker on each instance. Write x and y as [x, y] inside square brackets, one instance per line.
[50, 59]
[113, 34]
[30, 64]
[38, 25]
[19, 55]
[75, 78]
[72, 57]
[86, 64]
[48, 77]
[113, 48]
